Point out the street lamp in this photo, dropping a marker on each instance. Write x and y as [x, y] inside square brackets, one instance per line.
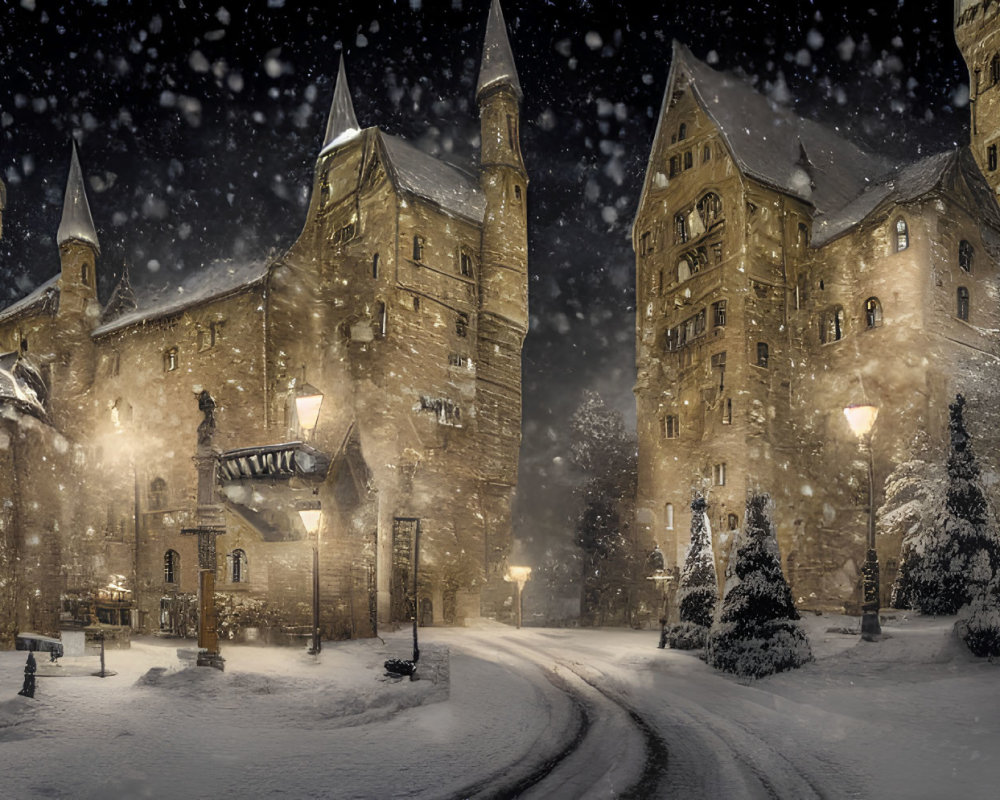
[308, 400]
[662, 578]
[310, 516]
[862, 418]
[518, 576]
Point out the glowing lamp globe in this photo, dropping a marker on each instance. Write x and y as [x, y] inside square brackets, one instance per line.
[861, 418]
[308, 400]
[310, 519]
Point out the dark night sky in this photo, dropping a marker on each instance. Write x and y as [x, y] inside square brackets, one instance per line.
[199, 124]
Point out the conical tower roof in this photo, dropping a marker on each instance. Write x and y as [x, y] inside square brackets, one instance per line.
[76, 223]
[342, 118]
[497, 66]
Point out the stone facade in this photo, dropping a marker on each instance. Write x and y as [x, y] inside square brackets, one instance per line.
[403, 301]
[782, 275]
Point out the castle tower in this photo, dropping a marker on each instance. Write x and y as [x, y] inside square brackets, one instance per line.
[503, 278]
[79, 309]
[78, 246]
[977, 32]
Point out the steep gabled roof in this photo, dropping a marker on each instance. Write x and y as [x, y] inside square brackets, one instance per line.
[209, 283]
[905, 184]
[423, 175]
[76, 222]
[21, 385]
[43, 297]
[497, 65]
[770, 143]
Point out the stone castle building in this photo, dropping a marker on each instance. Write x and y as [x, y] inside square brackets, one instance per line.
[784, 274]
[402, 305]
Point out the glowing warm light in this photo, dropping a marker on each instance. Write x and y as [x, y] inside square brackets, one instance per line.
[518, 575]
[310, 518]
[308, 400]
[861, 418]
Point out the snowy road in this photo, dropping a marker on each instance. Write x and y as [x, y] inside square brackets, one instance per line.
[534, 713]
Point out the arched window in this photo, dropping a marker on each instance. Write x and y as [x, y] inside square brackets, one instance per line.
[995, 68]
[157, 494]
[171, 567]
[902, 235]
[706, 153]
[873, 313]
[832, 325]
[965, 255]
[238, 566]
[688, 160]
[732, 522]
[670, 516]
[963, 303]
[762, 354]
[710, 209]
[682, 132]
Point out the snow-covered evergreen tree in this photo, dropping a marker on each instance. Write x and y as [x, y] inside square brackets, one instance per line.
[979, 622]
[757, 633]
[699, 586]
[959, 555]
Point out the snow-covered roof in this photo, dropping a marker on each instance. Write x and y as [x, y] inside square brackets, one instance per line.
[209, 283]
[771, 143]
[46, 294]
[342, 122]
[423, 175]
[76, 223]
[903, 184]
[21, 385]
[497, 65]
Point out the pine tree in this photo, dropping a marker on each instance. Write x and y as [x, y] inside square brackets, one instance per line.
[699, 586]
[757, 634]
[958, 558]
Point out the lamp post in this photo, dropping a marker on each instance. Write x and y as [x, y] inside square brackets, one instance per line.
[662, 579]
[862, 418]
[518, 576]
[310, 519]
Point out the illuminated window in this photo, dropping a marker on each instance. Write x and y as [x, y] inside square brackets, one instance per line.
[670, 516]
[902, 235]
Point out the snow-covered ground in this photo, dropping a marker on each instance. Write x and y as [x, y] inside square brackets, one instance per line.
[914, 716]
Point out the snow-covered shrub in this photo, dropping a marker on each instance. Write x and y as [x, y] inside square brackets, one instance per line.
[698, 592]
[757, 634]
[958, 555]
[979, 622]
[687, 636]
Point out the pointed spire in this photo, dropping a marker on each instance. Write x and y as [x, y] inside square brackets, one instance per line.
[342, 118]
[122, 299]
[77, 223]
[497, 66]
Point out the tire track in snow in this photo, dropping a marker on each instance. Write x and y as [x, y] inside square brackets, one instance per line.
[545, 779]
